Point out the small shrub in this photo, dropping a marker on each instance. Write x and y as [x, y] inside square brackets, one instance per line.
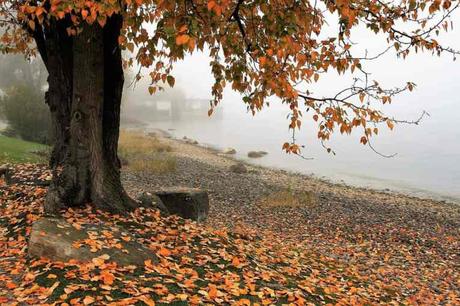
[158, 163]
[132, 143]
[9, 132]
[289, 198]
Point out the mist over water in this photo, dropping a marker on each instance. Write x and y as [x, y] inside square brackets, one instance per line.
[427, 163]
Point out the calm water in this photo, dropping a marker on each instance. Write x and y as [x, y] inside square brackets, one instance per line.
[428, 159]
[427, 163]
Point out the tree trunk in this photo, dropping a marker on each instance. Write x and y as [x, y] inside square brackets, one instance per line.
[59, 59]
[85, 88]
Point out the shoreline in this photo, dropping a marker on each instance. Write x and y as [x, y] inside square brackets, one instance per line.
[425, 195]
[240, 200]
[349, 179]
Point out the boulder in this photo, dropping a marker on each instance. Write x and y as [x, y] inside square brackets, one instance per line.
[188, 203]
[229, 151]
[190, 141]
[58, 240]
[148, 200]
[255, 154]
[238, 168]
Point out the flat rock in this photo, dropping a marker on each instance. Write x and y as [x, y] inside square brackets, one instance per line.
[256, 154]
[58, 240]
[188, 203]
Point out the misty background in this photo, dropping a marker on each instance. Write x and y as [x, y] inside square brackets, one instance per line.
[427, 163]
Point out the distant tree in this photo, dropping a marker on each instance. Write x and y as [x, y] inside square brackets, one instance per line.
[22, 103]
[27, 114]
[261, 48]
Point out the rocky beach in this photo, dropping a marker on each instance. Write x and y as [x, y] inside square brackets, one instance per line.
[240, 199]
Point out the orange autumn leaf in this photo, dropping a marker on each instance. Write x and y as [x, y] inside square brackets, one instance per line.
[211, 5]
[84, 14]
[182, 39]
[164, 252]
[11, 285]
[212, 292]
[236, 262]
[88, 300]
[107, 277]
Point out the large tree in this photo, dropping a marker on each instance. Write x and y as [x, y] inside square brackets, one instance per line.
[261, 48]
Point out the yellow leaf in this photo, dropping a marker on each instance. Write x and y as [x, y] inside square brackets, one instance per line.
[31, 25]
[390, 124]
[147, 300]
[98, 261]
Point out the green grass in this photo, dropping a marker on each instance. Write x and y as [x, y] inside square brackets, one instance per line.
[13, 150]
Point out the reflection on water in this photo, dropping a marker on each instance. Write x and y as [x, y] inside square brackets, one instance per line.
[427, 164]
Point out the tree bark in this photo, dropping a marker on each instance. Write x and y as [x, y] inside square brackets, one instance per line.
[59, 59]
[85, 89]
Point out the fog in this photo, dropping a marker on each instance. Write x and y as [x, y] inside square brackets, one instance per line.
[428, 155]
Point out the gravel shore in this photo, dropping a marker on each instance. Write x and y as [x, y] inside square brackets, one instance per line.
[236, 199]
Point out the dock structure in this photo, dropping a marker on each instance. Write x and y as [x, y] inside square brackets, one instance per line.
[178, 109]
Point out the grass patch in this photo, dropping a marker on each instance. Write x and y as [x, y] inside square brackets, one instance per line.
[13, 150]
[157, 163]
[146, 154]
[289, 198]
[132, 143]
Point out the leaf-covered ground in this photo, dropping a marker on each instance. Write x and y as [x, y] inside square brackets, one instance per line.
[377, 263]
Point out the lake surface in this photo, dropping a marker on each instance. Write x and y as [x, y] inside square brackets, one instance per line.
[427, 163]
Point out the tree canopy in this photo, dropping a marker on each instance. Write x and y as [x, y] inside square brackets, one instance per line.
[261, 48]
